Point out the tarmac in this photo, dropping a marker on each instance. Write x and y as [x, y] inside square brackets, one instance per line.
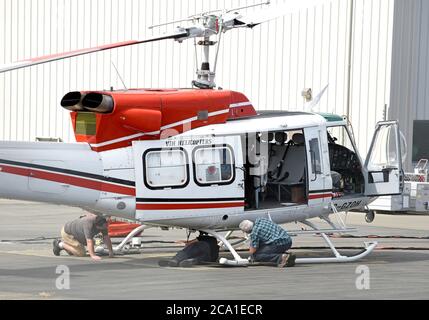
[397, 269]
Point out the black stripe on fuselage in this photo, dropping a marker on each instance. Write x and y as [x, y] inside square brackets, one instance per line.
[320, 191]
[70, 172]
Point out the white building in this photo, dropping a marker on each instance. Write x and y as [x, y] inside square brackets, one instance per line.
[373, 54]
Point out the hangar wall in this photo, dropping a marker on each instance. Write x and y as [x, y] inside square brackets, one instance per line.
[410, 69]
[343, 43]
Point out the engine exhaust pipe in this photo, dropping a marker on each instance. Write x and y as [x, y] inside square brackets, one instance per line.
[97, 102]
[73, 101]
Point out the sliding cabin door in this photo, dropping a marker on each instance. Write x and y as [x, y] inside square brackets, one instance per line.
[188, 177]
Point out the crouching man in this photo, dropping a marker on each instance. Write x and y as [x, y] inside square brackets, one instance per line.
[80, 232]
[203, 249]
[269, 242]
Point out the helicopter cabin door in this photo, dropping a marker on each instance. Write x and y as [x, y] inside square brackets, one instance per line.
[188, 177]
[383, 165]
[318, 173]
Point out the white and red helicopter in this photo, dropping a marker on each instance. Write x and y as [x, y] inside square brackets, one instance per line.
[202, 158]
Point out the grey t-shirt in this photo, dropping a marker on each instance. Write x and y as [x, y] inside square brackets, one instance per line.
[83, 228]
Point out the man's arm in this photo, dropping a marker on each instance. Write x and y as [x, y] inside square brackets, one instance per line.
[254, 241]
[107, 241]
[186, 242]
[90, 246]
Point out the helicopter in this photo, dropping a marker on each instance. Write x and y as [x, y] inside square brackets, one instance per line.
[203, 158]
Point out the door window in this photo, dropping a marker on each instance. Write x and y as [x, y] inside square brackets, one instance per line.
[213, 165]
[384, 150]
[165, 168]
[315, 156]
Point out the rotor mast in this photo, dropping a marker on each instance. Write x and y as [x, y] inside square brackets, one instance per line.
[205, 77]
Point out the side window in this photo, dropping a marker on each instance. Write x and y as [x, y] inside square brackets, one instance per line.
[166, 168]
[315, 156]
[213, 165]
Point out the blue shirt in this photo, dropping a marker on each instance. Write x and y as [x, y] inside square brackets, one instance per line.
[267, 232]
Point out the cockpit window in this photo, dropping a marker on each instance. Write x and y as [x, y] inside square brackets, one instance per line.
[339, 136]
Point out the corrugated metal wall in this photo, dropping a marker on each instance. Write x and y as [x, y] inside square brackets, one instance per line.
[410, 68]
[371, 67]
[271, 64]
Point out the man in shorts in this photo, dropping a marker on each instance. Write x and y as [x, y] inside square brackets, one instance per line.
[77, 234]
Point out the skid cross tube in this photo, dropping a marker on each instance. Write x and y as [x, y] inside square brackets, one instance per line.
[234, 244]
[238, 261]
[128, 238]
[369, 247]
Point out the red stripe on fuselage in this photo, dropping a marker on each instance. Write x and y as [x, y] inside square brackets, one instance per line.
[72, 180]
[183, 206]
[319, 196]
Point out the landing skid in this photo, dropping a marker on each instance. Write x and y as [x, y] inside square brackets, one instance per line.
[338, 258]
[239, 261]
[369, 247]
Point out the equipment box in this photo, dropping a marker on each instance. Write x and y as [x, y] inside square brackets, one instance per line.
[422, 197]
[298, 195]
[414, 198]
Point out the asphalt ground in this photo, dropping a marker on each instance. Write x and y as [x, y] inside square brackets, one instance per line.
[397, 269]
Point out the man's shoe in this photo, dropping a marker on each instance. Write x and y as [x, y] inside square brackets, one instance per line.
[56, 248]
[188, 263]
[291, 260]
[168, 263]
[163, 263]
[173, 263]
[283, 260]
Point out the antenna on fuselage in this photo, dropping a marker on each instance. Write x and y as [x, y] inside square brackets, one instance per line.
[119, 75]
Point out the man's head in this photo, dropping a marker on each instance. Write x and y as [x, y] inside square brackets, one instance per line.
[100, 222]
[246, 226]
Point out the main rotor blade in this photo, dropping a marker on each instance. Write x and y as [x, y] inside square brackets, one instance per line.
[290, 6]
[178, 34]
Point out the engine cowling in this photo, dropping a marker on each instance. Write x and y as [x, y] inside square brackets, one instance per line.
[142, 120]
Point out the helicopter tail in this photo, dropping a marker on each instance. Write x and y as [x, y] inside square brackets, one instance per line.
[49, 172]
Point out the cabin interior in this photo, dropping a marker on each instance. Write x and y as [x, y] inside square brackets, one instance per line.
[346, 167]
[276, 168]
